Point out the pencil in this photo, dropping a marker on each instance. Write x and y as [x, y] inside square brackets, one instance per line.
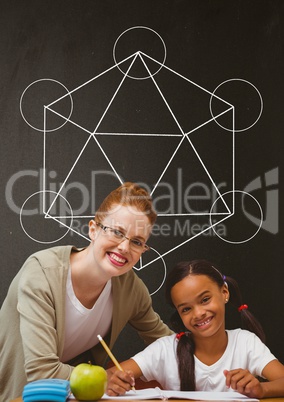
[107, 349]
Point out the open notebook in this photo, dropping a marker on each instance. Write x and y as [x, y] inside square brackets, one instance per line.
[157, 393]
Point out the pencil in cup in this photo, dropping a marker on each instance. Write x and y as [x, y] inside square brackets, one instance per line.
[109, 352]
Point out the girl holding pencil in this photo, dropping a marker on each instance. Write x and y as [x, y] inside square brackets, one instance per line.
[63, 297]
[203, 355]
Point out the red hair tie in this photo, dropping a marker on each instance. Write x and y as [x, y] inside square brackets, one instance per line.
[178, 336]
[243, 307]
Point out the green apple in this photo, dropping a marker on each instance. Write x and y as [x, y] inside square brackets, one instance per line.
[88, 382]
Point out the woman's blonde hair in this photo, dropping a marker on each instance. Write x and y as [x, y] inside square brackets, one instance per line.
[128, 194]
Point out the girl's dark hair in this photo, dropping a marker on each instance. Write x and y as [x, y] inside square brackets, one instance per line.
[186, 346]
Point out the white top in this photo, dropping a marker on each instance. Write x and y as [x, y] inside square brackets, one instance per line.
[244, 350]
[82, 325]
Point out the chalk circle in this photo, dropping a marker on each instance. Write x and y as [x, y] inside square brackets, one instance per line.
[34, 219]
[246, 100]
[239, 223]
[153, 282]
[35, 99]
[140, 39]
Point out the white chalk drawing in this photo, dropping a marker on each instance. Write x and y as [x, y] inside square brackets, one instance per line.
[241, 209]
[36, 199]
[142, 105]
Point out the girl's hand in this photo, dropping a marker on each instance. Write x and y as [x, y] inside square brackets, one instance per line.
[244, 382]
[119, 382]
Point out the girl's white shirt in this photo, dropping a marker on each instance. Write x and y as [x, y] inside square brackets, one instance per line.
[244, 350]
[82, 325]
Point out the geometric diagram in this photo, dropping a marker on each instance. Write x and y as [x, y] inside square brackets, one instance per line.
[141, 121]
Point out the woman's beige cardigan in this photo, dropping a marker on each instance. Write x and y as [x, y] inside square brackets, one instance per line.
[32, 321]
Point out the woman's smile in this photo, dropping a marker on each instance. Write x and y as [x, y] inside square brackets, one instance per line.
[113, 251]
[117, 259]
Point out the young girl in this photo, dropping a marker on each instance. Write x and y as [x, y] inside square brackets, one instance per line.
[63, 297]
[203, 356]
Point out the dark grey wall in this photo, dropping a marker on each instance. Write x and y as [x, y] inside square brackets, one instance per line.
[239, 44]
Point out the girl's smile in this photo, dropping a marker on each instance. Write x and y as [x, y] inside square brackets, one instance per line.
[204, 324]
[200, 303]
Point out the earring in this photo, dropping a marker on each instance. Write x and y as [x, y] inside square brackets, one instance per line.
[226, 300]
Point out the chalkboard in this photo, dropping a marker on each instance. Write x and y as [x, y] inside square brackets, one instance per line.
[184, 97]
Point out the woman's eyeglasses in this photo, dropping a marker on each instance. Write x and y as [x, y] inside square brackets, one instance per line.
[117, 236]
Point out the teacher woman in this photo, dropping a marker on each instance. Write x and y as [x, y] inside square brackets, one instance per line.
[63, 297]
